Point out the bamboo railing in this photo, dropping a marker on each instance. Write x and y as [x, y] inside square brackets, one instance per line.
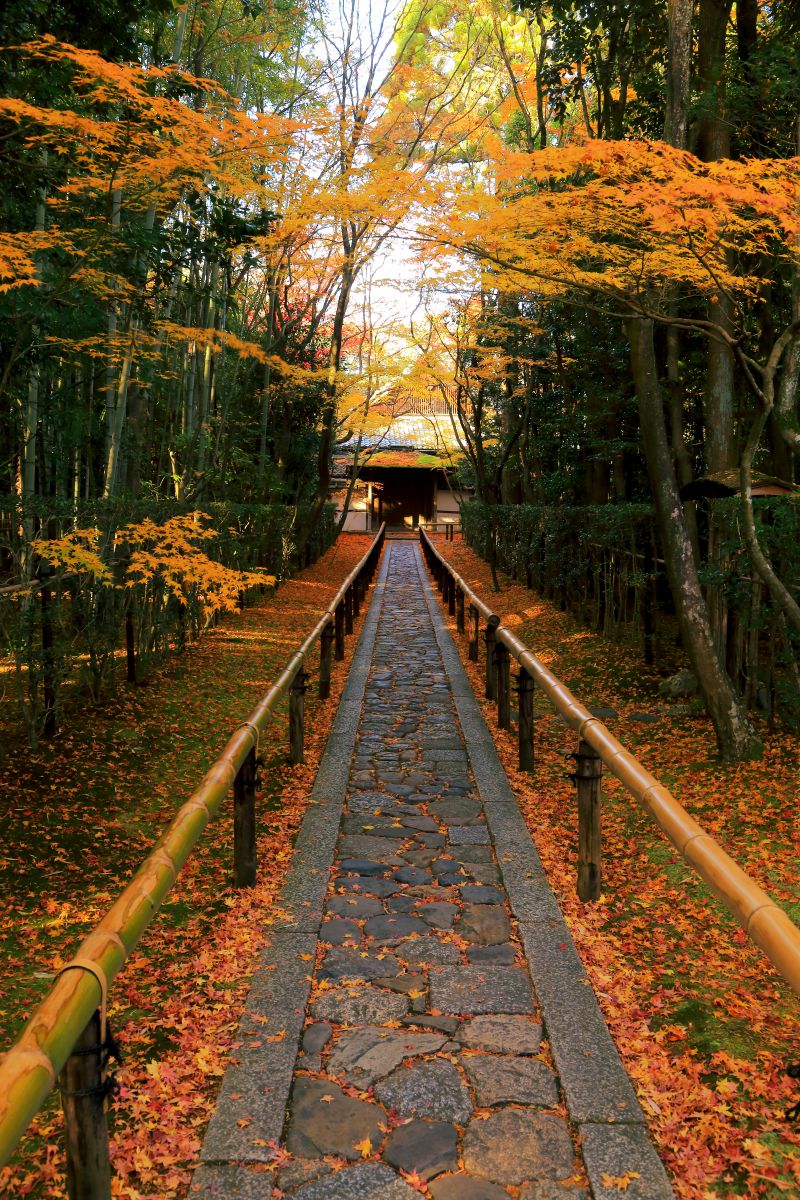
[758, 914]
[67, 1032]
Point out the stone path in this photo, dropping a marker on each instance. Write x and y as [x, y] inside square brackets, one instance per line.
[422, 1037]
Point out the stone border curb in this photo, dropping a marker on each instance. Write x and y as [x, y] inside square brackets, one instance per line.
[599, 1096]
[255, 1089]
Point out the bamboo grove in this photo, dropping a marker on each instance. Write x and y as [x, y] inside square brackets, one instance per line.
[598, 208]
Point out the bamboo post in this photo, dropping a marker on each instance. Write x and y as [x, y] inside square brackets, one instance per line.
[525, 688]
[474, 632]
[451, 596]
[85, 1128]
[348, 610]
[48, 658]
[338, 617]
[491, 665]
[356, 596]
[325, 656]
[460, 609]
[297, 693]
[503, 682]
[588, 775]
[244, 823]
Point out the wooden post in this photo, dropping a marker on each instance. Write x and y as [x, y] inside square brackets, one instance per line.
[348, 610]
[474, 632]
[491, 665]
[527, 754]
[85, 1128]
[451, 596]
[325, 655]
[297, 704]
[338, 615]
[460, 609]
[244, 823]
[356, 596]
[503, 680]
[588, 775]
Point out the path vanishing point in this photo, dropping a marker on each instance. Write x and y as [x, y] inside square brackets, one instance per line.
[448, 1036]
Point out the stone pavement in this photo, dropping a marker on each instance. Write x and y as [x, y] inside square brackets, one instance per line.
[448, 1037]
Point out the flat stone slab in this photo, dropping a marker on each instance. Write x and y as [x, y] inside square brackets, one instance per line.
[392, 927]
[425, 1147]
[439, 914]
[481, 990]
[367, 887]
[514, 1145]
[359, 1006]
[486, 924]
[511, 1080]
[338, 931]
[469, 835]
[612, 1151]
[501, 1034]
[344, 963]
[428, 950]
[466, 1187]
[456, 806]
[324, 1120]
[548, 1189]
[367, 1181]
[363, 866]
[426, 1089]
[360, 908]
[367, 1054]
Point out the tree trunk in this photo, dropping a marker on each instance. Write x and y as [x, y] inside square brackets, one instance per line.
[735, 736]
[679, 54]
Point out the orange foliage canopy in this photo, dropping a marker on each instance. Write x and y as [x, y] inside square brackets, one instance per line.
[625, 221]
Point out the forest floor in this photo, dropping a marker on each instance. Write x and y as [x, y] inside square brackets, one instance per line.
[79, 815]
[705, 1025]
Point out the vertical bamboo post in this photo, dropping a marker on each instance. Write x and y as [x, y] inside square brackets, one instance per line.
[338, 618]
[491, 665]
[451, 595]
[297, 693]
[527, 754]
[588, 775]
[356, 596]
[48, 658]
[244, 823]
[348, 610]
[503, 679]
[85, 1128]
[325, 655]
[460, 609]
[474, 632]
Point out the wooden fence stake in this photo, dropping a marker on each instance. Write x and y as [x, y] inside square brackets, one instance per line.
[338, 614]
[474, 632]
[85, 1128]
[460, 609]
[451, 596]
[491, 665]
[348, 610]
[356, 596]
[503, 681]
[527, 754]
[588, 775]
[244, 823]
[297, 704]
[325, 655]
